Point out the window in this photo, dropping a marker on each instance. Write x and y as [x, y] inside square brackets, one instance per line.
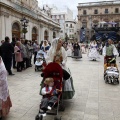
[61, 31]
[116, 10]
[66, 25]
[70, 25]
[84, 24]
[67, 30]
[96, 11]
[106, 11]
[84, 12]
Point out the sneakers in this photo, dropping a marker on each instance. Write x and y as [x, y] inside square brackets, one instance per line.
[49, 108]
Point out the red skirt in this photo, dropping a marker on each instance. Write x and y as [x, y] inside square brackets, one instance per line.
[6, 107]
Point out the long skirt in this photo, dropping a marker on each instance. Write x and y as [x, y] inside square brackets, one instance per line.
[93, 54]
[69, 52]
[5, 107]
[77, 54]
[68, 88]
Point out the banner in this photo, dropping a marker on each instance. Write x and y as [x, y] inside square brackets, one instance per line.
[82, 35]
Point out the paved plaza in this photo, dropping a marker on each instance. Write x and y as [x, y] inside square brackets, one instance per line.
[93, 100]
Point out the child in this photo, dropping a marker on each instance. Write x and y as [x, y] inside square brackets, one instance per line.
[111, 70]
[111, 64]
[49, 94]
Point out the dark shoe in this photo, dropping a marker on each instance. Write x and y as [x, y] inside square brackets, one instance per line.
[0, 118]
[12, 74]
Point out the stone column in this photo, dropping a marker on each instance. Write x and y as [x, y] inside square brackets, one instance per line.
[2, 27]
[40, 33]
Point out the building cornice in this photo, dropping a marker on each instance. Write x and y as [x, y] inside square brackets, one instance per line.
[27, 12]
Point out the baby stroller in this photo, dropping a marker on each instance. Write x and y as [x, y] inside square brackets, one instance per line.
[111, 74]
[40, 61]
[54, 71]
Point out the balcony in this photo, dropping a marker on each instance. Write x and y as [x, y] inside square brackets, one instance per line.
[106, 29]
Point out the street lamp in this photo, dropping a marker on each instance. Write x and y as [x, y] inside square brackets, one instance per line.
[24, 22]
[90, 26]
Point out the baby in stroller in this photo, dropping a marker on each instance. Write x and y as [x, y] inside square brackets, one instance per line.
[111, 72]
[49, 93]
[40, 61]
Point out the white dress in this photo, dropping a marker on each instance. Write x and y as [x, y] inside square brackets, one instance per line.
[69, 50]
[83, 48]
[93, 53]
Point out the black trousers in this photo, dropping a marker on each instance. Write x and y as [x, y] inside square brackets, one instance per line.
[25, 63]
[19, 66]
[35, 54]
[14, 62]
[8, 64]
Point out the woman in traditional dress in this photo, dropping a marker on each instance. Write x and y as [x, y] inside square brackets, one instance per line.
[18, 56]
[45, 47]
[5, 102]
[83, 48]
[69, 49]
[76, 51]
[93, 52]
[58, 54]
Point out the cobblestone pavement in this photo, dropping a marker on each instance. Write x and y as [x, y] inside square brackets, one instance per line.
[94, 100]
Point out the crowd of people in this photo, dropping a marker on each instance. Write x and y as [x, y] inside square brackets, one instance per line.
[18, 54]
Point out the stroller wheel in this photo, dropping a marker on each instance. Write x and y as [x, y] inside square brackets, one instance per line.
[61, 107]
[115, 82]
[57, 118]
[106, 81]
[37, 117]
[118, 81]
[41, 117]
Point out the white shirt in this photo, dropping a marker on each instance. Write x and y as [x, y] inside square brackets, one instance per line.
[43, 91]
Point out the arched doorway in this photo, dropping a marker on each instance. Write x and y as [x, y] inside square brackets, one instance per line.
[46, 35]
[54, 35]
[34, 34]
[16, 30]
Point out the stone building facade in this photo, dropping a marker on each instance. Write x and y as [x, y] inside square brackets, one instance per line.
[92, 13]
[71, 29]
[60, 16]
[40, 26]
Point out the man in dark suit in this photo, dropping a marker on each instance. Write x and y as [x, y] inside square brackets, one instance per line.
[7, 52]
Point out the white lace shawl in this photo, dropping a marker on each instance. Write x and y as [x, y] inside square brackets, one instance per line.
[3, 82]
[52, 51]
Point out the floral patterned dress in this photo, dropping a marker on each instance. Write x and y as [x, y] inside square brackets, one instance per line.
[5, 102]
